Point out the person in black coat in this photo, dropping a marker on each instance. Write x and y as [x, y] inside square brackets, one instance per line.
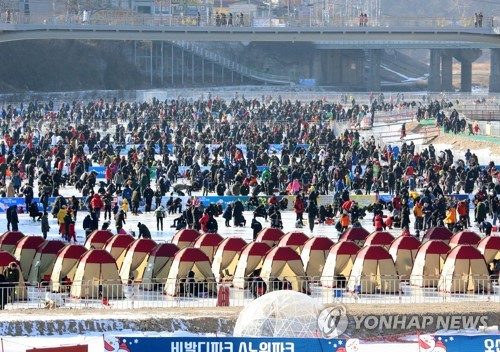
[143, 231]
[148, 197]
[87, 225]
[256, 227]
[34, 212]
[312, 213]
[3, 292]
[12, 218]
[228, 214]
[212, 225]
[238, 218]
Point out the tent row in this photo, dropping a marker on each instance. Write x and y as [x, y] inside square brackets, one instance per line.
[274, 256]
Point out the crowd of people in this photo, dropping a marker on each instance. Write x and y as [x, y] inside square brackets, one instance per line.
[222, 146]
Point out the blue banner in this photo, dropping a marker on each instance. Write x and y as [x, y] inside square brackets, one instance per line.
[19, 203]
[101, 171]
[275, 149]
[460, 343]
[218, 344]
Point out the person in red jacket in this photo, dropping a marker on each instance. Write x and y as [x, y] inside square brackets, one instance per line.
[203, 222]
[96, 204]
[298, 207]
[378, 222]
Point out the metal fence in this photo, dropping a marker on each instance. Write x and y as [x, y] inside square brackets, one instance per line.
[249, 19]
[201, 293]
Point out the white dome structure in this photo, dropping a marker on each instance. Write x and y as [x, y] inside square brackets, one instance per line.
[279, 314]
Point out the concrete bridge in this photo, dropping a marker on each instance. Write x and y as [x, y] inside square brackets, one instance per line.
[338, 48]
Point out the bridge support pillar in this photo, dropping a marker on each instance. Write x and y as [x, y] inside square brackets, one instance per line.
[374, 56]
[495, 71]
[447, 71]
[435, 71]
[316, 69]
[466, 76]
[466, 58]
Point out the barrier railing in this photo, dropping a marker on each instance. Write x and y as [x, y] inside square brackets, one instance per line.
[194, 292]
[112, 17]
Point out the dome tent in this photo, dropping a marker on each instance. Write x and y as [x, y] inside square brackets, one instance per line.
[270, 236]
[465, 237]
[428, 263]
[96, 275]
[464, 270]
[357, 235]
[43, 263]
[5, 259]
[339, 262]
[403, 251]
[490, 248]
[284, 314]
[438, 233]
[314, 256]
[25, 252]
[117, 244]
[283, 263]
[65, 264]
[379, 238]
[373, 271]
[133, 257]
[97, 239]
[185, 238]
[157, 265]
[9, 239]
[185, 261]
[226, 256]
[295, 240]
[251, 258]
[208, 243]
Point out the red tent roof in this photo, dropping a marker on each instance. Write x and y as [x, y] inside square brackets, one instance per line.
[344, 248]
[374, 253]
[354, 234]
[489, 242]
[99, 236]
[6, 258]
[191, 254]
[72, 251]
[30, 242]
[464, 252]
[379, 238]
[11, 237]
[282, 254]
[97, 256]
[141, 245]
[119, 241]
[209, 239]
[256, 249]
[438, 233]
[294, 238]
[186, 235]
[319, 243]
[164, 250]
[270, 234]
[235, 244]
[434, 247]
[405, 242]
[465, 237]
[51, 247]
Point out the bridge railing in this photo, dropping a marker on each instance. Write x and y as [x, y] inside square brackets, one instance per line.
[128, 18]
